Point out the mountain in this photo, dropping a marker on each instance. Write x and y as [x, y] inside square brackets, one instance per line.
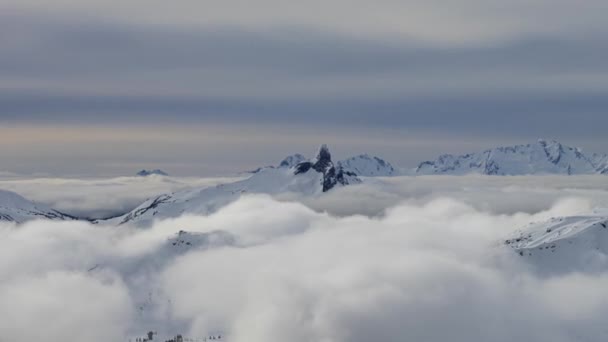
[15, 208]
[291, 161]
[563, 244]
[367, 166]
[362, 165]
[145, 173]
[308, 178]
[601, 162]
[542, 157]
[287, 162]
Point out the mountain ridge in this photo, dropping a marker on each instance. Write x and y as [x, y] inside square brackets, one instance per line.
[16, 208]
[542, 157]
[306, 178]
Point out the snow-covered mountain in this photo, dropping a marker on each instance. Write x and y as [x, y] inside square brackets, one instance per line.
[362, 165]
[292, 160]
[307, 178]
[542, 157]
[365, 165]
[145, 173]
[15, 208]
[562, 244]
[287, 162]
[601, 162]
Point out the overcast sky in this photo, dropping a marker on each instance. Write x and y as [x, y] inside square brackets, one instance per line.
[202, 87]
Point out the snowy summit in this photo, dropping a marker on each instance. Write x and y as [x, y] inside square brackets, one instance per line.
[542, 157]
[307, 178]
[15, 208]
[365, 165]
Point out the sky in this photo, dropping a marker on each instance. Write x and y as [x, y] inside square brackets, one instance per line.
[198, 87]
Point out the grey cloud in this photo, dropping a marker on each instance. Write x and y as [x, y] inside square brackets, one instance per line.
[65, 47]
[76, 71]
[459, 22]
[63, 70]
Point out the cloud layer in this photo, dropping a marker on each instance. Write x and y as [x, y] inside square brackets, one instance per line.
[431, 267]
[100, 198]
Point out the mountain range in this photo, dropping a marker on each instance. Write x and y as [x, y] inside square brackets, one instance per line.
[312, 177]
[298, 174]
[542, 157]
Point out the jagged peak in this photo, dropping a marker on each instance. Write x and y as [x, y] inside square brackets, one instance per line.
[323, 161]
[332, 175]
[324, 154]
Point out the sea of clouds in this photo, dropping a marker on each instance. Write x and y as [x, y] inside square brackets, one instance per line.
[400, 259]
[99, 197]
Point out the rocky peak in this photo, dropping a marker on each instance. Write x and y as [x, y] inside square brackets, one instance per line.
[323, 161]
[331, 175]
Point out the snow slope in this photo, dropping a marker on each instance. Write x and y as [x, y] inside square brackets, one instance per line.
[15, 208]
[308, 178]
[287, 162]
[542, 157]
[563, 244]
[367, 166]
[601, 162]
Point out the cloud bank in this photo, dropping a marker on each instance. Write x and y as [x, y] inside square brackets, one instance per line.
[100, 198]
[430, 267]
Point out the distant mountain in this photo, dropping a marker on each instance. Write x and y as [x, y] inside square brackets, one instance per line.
[542, 157]
[291, 161]
[308, 178]
[145, 173]
[367, 166]
[563, 244]
[287, 162]
[15, 208]
[362, 165]
[601, 162]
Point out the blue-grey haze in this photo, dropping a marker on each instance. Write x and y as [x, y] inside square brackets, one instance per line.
[407, 92]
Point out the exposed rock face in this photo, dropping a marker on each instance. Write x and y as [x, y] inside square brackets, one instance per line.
[331, 175]
[306, 178]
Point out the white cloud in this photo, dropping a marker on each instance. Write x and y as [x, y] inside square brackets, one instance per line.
[63, 306]
[100, 198]
[429, 268]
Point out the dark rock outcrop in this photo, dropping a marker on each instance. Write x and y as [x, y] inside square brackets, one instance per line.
[332, 175]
